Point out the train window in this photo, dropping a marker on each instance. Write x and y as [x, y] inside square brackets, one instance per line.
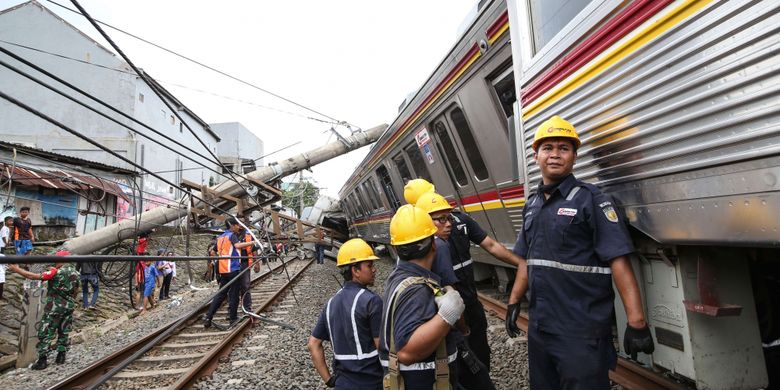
[361, 198]
[375, 194]
[387, 186]
[550, 16]
[469, 144]
[417, 161]
[403, 170]
[449, 152]
[370, 193]
[504, 87]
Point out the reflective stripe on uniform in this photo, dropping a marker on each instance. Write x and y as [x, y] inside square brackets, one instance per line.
[421, 365]
[570, 267]
[360, 355]
[463, 264]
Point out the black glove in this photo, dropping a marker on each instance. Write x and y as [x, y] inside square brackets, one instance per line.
[512, 311]
[332, 381]
[638, 340]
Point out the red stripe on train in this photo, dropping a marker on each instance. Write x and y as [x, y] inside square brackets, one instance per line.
[496, 26]
[625, 22]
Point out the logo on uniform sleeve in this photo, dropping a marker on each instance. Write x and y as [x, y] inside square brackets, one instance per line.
[567, 212]
[610, 213]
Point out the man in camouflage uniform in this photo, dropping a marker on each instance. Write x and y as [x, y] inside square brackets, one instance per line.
[57, 317]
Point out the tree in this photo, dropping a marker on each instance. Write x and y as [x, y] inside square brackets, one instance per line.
[304, 189]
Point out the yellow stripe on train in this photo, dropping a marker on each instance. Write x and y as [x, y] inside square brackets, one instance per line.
[494, 204]
[672, 18]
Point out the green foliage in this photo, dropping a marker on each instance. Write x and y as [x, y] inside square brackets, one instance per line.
[291, 196]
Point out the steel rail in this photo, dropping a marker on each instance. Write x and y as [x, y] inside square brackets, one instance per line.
[84, 377]
[208, 364]
[627, 373]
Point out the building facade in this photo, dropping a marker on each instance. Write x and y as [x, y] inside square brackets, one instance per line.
[38, 35]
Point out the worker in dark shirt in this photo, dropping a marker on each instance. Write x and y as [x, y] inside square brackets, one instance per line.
[23, 233]
[350, 321]
[576, 246]
[417, 345]
[464, 232]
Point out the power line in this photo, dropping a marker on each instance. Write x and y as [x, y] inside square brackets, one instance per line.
[99, 101]
[270, 108]
[97, 144]
[200, 63]
[156, 90]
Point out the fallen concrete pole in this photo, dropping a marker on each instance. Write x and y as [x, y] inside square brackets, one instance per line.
[112, 234]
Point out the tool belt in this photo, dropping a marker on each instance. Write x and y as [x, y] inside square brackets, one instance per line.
[393, 380]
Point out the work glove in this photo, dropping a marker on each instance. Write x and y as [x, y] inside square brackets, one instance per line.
[512, 311]
[450, 305]
[638, 340]
[332, 381]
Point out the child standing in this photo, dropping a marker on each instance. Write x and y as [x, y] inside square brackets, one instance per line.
[151, 281]
[23, 233]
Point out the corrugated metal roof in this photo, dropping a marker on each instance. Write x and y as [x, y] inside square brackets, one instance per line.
[49, 155]
[61, 179]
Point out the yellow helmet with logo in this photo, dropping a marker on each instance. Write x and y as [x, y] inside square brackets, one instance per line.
[416, 187]
[354, 251]
[432, 202]
[410, 224]
[556, 127]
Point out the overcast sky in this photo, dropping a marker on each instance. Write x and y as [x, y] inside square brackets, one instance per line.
[352, 60]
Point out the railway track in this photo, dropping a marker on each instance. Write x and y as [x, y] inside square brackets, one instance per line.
[627, 373]
[178, 354]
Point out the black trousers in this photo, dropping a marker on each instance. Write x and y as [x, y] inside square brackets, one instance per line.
[231, 294]
[478, 341]
[243, 290]
[569, 363]
[166, 285]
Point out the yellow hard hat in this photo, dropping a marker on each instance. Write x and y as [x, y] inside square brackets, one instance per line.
[556, 127]
[416, 187]
[410, 224]
[432, 202]
[354, 251]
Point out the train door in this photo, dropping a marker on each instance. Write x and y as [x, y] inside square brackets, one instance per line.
[455, 141]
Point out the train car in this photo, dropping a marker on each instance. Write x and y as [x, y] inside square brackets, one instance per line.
[676, 105]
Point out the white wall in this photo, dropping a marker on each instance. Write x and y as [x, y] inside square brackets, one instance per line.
[114, 83]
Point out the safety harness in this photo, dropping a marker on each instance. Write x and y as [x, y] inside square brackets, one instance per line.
[393, 380]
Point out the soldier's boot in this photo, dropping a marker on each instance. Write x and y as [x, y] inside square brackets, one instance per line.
[40, 364]
[60, 357]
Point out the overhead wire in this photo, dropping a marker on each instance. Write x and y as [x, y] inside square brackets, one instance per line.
[234, 78]
[267, 107]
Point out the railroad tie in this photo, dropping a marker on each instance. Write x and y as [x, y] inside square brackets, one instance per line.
[148, 373]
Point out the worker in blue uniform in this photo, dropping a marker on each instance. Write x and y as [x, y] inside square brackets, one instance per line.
[229, 245]
[576, 246]
[473, 373]
[463, 232]
[350, 321]
[417, 342]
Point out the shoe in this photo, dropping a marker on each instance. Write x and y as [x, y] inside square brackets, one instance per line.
[40, 364]
[207, 323]
[60, 358]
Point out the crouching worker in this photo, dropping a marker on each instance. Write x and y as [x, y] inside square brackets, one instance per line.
[63, 286]
[418, 345]
[351, 321]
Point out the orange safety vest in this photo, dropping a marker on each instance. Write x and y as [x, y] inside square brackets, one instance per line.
[225, 248]
[249, 250]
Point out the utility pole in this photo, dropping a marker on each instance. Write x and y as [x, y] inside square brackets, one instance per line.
[32, 307]
[146, 221]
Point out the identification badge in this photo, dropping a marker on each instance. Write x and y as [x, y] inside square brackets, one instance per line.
[567, 212]
[610, 213]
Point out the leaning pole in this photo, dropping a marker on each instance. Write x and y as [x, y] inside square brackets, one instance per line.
[34, 295]
[119, 231]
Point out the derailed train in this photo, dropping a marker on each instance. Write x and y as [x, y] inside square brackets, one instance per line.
[676, 104]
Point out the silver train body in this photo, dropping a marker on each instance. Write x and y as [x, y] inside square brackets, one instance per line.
[676, 103]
